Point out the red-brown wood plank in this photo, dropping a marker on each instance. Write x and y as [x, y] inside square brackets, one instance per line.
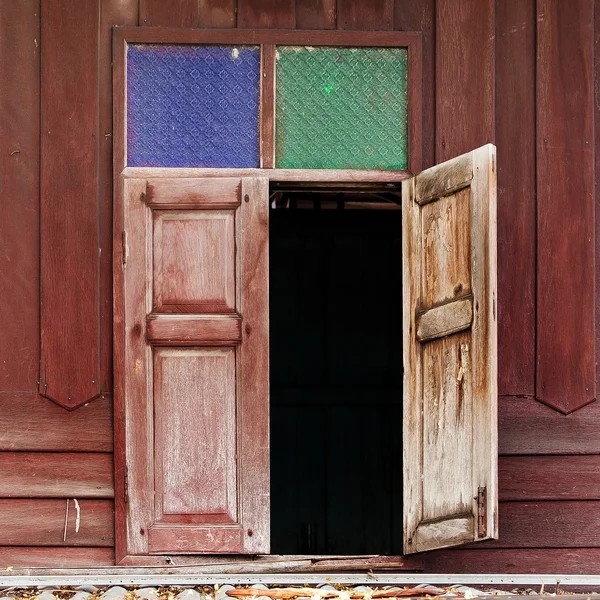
[42, 523]
[567, 524]
[70, 358]
[549, 477]
[19, 193]
[566, 369]
[28, 422]
[12, 556]
[56, 475]
[515, 129]
[316, 14]
[464, 76]
[113, 12]
[217, 13]
[176, 13]
[528, 427]
[357, 14]
[536, 560]
[419, 15]
[268, 14]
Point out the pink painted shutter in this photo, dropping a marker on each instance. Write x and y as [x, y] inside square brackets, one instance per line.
[450, 348]
[195, 376]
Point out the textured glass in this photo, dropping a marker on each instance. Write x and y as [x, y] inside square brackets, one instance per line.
[341, 108]
[192, 106]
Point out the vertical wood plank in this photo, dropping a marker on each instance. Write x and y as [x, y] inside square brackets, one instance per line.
[19, 190]
[179, 13]
[464, 76]
[597, 169]
[316, 14]
[419, 15]
[357, 14]
[113, 12]
[267, 14]
[565, 174]
[515, 129]
[69, 203]
[217, 13]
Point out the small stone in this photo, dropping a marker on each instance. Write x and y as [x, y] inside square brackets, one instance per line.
[221, 593]
[147, 594]
[46, 595]
[91, 589]
[189, 595]
[114, 593]
[80, 595]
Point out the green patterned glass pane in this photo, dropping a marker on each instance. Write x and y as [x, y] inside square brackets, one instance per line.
[341, 108]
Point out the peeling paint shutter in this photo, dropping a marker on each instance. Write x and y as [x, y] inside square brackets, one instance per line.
[450, 372]
[195, 377]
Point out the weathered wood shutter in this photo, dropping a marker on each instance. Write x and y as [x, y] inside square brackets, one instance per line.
[195, 366]
[450, 372]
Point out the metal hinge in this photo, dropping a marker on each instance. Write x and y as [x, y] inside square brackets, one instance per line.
[124, 249]
[482, 512]
[126, 486]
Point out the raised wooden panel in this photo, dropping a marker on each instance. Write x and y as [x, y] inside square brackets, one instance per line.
[56, 523]
[565, 333]
[56, 475]
[195, 434]
[221, 192]
[194, 261]
[194, 330]
[446, 248]
[19, 193]
[28, 422]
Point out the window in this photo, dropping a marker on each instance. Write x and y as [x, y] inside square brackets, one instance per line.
[192, 281]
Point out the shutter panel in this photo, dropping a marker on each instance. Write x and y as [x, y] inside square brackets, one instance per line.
[450, 372]
[195, 374]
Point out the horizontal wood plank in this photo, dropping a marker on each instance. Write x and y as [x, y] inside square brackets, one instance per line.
[529, 427]
[444, 320]
[553, 524]
[534, 560]
[56, 475]
[223, 192]
[549, 477]
[29, 422]
[193, 330]
[164, 539]
[22, 557]
[443, 180]
[42, 523]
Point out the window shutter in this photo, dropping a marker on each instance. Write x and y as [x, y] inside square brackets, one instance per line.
[450, 372]
[195, 377]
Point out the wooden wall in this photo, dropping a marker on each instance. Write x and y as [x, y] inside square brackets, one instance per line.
[520, 73]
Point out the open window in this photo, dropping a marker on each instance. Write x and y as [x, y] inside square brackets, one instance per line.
[192, 319]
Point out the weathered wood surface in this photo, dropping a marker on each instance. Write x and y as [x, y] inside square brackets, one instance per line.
[217, 13]
[42, 523]
[28, 422]
[19, 190]
[316, 14]
[44, 557]
[450, 393]
[529, 427]
[356, 14]
[188, 330]
[515, 129]
[566, 367]
[267, 14]
[56, 475]
[155, 13]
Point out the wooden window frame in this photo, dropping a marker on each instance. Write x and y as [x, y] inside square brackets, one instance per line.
[268, 40]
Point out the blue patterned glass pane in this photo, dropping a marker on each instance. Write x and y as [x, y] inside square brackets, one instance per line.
[192, 106]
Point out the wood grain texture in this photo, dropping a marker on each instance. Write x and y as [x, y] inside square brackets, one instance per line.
[19, 190]
[527, 427]
[70, 354]
[419, 15]
[183, 13]
[316, 14]
[112, 12]
[42, 523]
[566, 369]
[534, 560]
[55, 475]
[450, 417]
[549, 477]
[444, 320]
[464, 85]
[199, 330]
[268, 14]
[217, 13]
[28, 422]
[36, 556]
[187, 193]
[515, 129]
[356, 14]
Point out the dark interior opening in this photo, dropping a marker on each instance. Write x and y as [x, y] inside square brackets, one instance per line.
[336, 373]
